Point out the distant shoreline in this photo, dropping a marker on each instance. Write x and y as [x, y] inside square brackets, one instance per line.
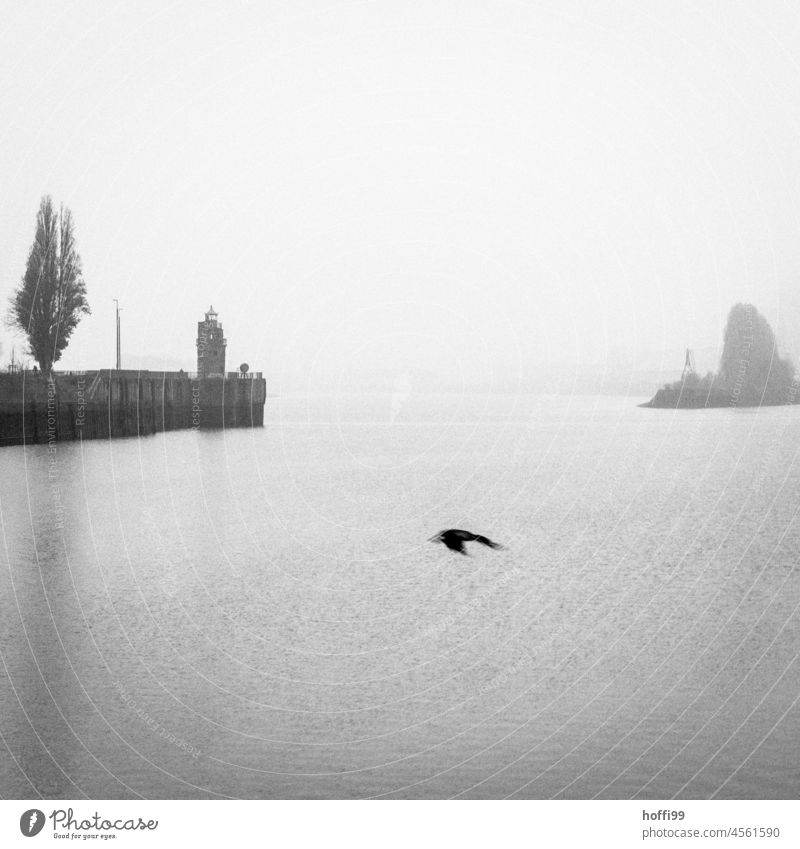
[686, 398]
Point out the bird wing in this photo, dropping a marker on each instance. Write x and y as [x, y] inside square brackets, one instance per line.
[487, 541]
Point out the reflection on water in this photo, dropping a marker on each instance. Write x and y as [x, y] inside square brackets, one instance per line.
[258, 613]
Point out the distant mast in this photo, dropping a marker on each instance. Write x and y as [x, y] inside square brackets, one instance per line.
[211, 345]
[688, 364]
[119, 344]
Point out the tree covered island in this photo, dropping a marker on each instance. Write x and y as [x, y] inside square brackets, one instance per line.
[751, 371]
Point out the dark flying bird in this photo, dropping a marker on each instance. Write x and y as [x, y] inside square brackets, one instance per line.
[454, 539]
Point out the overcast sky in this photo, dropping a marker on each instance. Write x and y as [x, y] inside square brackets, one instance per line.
[469, 188]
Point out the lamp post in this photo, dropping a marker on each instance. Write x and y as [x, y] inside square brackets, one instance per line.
[119, 349]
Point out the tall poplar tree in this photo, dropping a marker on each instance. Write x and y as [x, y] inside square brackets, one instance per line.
[51, 298]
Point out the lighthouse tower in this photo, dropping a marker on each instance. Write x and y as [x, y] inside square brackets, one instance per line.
[210, 347]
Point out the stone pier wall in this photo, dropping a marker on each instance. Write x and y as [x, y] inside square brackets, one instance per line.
[110, 403]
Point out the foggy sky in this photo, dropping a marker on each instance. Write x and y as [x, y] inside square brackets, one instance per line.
[465, 188]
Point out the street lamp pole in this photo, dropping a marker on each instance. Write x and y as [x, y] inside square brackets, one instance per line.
[119, 349]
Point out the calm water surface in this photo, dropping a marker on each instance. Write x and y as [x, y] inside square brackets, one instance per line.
[257, 613]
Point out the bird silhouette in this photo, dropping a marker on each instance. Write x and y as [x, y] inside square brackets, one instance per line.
[454, 539]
